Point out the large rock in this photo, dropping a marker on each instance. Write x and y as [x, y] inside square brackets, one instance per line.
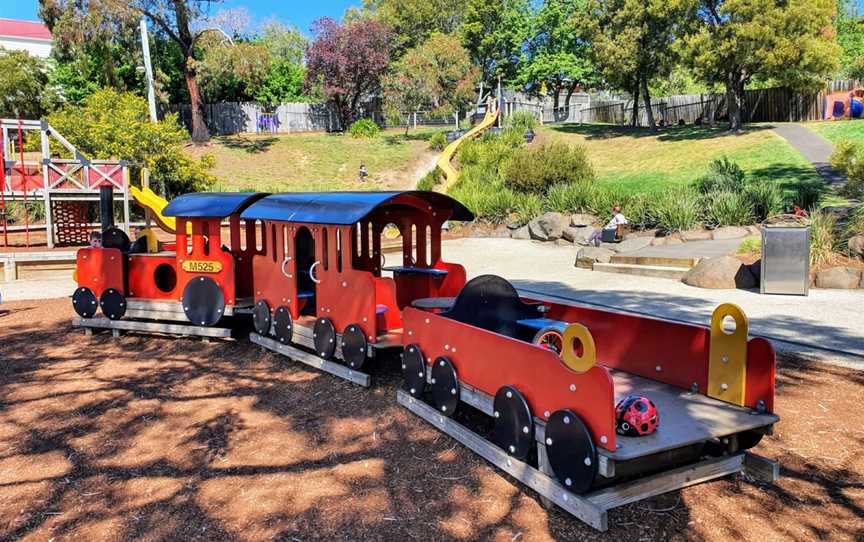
[844, 278]
[695, 235]
[583, 220]
[719, 273]
[633, 244]
[521, 233]
[577, 235]
[547, 227]
[588, 256]
[856, 246]
[729, 232]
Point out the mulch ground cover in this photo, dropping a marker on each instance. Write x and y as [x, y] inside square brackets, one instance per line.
[143, 438]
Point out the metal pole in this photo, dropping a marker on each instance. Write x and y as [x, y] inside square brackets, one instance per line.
[500, 99]
[148, 69]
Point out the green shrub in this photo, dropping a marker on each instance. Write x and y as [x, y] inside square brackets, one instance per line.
[470, 153]
[482, 192]
[676, 210]
[725, 208]
[722, 174]
[364, 129]
[522, 121]
[528, 206]
[111, 124]
[430, 180]
[15, 212]
[766, 200]
[750, 245]
[438, 141]
[536, 170]
[848, 158]
[823, 237]
[638, 208]
[807, 194]
[571, 197]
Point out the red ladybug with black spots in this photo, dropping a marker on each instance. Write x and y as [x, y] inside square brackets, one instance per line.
[636, 416]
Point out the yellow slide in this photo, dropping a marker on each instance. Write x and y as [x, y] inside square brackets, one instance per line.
[151, 201]
[450, 173]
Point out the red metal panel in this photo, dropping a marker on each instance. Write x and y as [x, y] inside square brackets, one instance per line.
[100, 269]
[759, 384]
[206, 245]
[385, 294]
[142, 273]
[487, 361]
[640, 345]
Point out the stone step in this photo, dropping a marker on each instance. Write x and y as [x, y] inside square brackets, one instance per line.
[657, 261]
[658, 271]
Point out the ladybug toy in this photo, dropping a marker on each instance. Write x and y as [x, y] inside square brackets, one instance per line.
[636, 416]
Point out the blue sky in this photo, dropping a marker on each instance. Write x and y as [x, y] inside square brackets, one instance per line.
[299, 13]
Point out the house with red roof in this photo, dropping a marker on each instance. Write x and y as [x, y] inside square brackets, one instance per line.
[33, 37]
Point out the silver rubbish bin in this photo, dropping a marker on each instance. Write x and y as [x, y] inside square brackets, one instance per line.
[785, 260]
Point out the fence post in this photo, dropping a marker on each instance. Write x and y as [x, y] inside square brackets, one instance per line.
[415, 120]
[456, 115]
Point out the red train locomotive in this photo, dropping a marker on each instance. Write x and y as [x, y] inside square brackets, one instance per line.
[310, 269]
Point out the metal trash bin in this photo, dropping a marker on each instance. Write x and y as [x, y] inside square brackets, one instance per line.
[785, 260]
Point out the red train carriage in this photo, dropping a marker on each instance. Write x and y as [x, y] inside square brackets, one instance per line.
[550, 375]
[202, 277]
[318, 281]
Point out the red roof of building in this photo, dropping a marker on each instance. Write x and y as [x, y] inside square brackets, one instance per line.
[24, 29]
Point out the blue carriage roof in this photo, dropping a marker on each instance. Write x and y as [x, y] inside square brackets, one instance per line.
[210, 204]
[341, 208]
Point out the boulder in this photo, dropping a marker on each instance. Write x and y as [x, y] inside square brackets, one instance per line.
[842, 278]
[695, 235]
[729, 232]
[521, 233]
[588, 256]
[547, 227]
[719, 273]
[576, 235]
[633, 244]
[856, 246]
[583, 220]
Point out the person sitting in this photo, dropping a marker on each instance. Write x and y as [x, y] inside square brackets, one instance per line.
[95, 239]
[610, 230]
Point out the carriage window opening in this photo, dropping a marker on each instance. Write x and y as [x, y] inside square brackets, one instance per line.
[414, 244]
[370, 249]
[338, 251]
[260, 235]
[284, 242]
[244, 225]
[205, 232]
[273, 241]
[429, 246]
[325, 249]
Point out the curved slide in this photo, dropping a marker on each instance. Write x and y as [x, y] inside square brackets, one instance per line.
[451, 174]
[154, 203]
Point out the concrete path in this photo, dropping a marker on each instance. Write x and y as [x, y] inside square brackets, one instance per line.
[691, 249]
[827, 324]
[47, 288]
[814, 148]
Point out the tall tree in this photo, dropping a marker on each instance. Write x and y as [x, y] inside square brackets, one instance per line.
[26, 94]
[633, 42]
[559, 58]
[436, 76]
[286, 47]
[739, 41]
[495, 33]
[413, 21]
[231, 71]
[850, 36]
[348, 61]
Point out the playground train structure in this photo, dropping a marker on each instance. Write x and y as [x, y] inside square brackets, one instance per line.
[309, 271]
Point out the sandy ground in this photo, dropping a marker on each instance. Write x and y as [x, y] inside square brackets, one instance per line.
[142, 438]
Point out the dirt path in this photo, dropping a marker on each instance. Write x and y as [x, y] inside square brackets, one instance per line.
[143, 438]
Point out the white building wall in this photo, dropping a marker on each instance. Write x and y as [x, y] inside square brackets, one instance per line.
[39, 48]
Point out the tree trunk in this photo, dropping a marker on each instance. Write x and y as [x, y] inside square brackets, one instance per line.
[646, 97]
[734, 99]
[634, 122]
[200, 133]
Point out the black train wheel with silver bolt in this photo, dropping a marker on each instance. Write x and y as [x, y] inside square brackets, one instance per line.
[571, 451]
[445, 386]
[514, 424]
[324, 338]
[354, 346]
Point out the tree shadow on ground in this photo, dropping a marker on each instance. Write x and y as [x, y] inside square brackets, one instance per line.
[670, 133]
[250, 145]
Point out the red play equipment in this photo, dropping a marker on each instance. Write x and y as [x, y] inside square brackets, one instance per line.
[848, 104]
[548, 372]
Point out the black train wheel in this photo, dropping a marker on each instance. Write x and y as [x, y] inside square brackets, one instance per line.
[571, 451]
[354, 346]
[324, 337]
[113, 304]
[514, 424]
[414, 370]
[84, 302]
[203, 301]
[261, 318]
[283, 325]
[445, 386]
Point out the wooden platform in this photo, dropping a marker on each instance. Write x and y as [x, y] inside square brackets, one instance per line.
[151, 327]
[312, 360]
[591, 508]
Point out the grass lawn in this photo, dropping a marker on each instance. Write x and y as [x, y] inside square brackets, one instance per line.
[318, 162]
[640, 160]
[836, 131]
